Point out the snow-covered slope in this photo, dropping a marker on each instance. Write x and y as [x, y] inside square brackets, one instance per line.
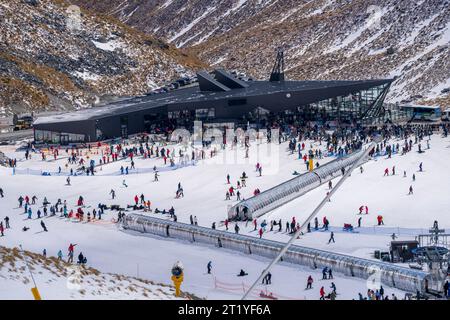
[58, 280]
[111, 249]
[55, 56]
[324, 39]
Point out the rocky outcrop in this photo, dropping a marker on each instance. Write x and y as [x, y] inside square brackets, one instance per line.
[55, 56]
[323, 39]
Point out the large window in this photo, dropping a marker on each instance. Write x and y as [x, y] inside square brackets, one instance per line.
[205, 113]
[44, 136]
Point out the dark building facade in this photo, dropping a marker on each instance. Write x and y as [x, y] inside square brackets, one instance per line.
[218, 97]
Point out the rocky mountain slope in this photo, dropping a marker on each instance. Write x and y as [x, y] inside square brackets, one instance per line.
[55, 56]
[323, 39]
[59, 280]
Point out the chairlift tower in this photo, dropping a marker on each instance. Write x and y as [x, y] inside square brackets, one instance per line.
[277, 73]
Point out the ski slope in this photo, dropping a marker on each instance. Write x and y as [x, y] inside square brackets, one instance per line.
[112, 250]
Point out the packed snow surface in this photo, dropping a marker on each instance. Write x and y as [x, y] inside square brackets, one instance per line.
[110, 249]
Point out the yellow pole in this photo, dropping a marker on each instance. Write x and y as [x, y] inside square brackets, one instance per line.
[311, 164]
[177, 280]
[35, 293]
[34, 290]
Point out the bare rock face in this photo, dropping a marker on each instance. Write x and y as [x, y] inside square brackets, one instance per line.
[323, 39]
[54, 55]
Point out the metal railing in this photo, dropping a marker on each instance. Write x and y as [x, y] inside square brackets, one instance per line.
[388, 274]
[287, 191]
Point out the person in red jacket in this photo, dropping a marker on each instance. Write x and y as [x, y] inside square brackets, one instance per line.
[226, 224]
[322, 293]
[380, 220]
[386, 172]
[255, 223]
[136, 199]
[260, 232]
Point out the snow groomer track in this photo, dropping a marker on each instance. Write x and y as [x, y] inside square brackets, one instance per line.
[387, 274]
[281, 194]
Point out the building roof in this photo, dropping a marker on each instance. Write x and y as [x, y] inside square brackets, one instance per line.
[195, 94]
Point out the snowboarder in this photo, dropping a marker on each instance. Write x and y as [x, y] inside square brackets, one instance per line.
[43, 226]
[124, 184]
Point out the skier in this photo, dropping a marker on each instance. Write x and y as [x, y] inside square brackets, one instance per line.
[1, 193]
[386, 172]
[380, 220]
[156, 176]
[309, 282]
[393, 170]
[359, 222]
[324, 273]
[124, 183]
[7, 222]
[191, 218]
[260, 232]
[1, 229]
[236, 228]
[322, 294]
[43, 226]
[410, 190]
[228, 179]
[420, 167]
[333, 287]
[331, 237]
[112, 193]
[414, 177]
[330, 273]
[209, 267]
[68, 181]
